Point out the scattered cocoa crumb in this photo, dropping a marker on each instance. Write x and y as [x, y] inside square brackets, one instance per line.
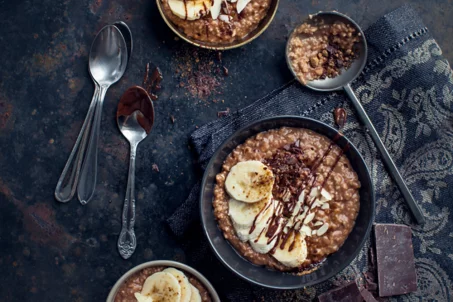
[198, 72]
[223, 113]
[155, 168]
[219, 56]
[225, 71]
[172, 119]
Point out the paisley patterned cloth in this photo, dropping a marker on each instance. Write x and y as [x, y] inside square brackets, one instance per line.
[407, 89]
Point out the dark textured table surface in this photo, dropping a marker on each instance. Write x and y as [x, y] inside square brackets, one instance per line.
[67, 252]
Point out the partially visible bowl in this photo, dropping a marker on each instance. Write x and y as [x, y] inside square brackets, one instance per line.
[271, 278]
[166, 263]
[263, 25]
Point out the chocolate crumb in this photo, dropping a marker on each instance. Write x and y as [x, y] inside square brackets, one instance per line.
[223, 113]
[172, 119]
[219, 56]
[225, 71]
[155, 168]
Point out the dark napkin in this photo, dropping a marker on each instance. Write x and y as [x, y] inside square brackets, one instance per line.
[407, 90]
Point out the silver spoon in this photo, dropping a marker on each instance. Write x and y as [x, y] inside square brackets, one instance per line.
[67, 183]
[107, 64]
[343, 82]
[127, 34]
[135, 117]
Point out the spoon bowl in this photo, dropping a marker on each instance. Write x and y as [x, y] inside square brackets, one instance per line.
[108, 56]
[131, 128]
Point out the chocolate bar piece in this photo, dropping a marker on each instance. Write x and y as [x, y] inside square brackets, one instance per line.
[367, 296]
[346, 293]
[395, 259]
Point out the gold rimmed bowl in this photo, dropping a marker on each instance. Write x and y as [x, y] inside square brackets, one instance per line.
[262, 26]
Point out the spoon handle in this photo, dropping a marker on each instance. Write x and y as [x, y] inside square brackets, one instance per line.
[87, 184]
[393, 170]
[67, 183]
[127, 241]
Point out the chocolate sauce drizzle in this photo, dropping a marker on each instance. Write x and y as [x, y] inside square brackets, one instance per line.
[291, 173]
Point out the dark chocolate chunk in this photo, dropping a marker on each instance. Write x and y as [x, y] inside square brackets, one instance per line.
[367, 296]
[395, 260]
[346, 293]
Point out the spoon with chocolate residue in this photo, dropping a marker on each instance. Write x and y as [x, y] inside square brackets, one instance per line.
[135, 117]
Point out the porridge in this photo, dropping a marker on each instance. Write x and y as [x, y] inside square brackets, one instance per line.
[216, 21]
[155, 284]
[286, 199]
[318, 50]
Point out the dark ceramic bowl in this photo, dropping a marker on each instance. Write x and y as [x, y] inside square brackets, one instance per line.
[271, 278]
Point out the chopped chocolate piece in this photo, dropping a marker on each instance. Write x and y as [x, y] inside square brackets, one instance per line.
[225, 71]
[395, 259]
[340, 116]
[223, 113]
[155, 168]
[367, 296]
[346, 293]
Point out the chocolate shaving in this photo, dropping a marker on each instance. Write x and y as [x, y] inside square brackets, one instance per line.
[225, 71]
[155, 168]
[223, 113]
[172, 119]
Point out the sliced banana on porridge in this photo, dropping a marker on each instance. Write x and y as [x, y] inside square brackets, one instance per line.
[190, 9]
[249, 181]
[143, 298]
[186, 291]
[291, 251]
[162, 286]
[195, 294]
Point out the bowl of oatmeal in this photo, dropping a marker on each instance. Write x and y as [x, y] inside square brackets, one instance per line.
[218, 24]
[287, 202]
[162, 280]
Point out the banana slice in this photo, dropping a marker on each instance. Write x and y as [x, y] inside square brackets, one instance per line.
[162, 286]
[298, 253]
[263, 221]
[249, 181]
[190, 9]
[142, 298]
[261, 244]
[243, 214]
[186, 291]
[195, 297]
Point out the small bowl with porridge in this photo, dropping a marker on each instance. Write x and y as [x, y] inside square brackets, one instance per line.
[287, 202]
[218, 24]
[326, 51]
[163, 281]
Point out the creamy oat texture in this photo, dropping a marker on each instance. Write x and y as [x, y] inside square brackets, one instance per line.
[318, 50]
[326, 186]
[229, 27]
[134, 284]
